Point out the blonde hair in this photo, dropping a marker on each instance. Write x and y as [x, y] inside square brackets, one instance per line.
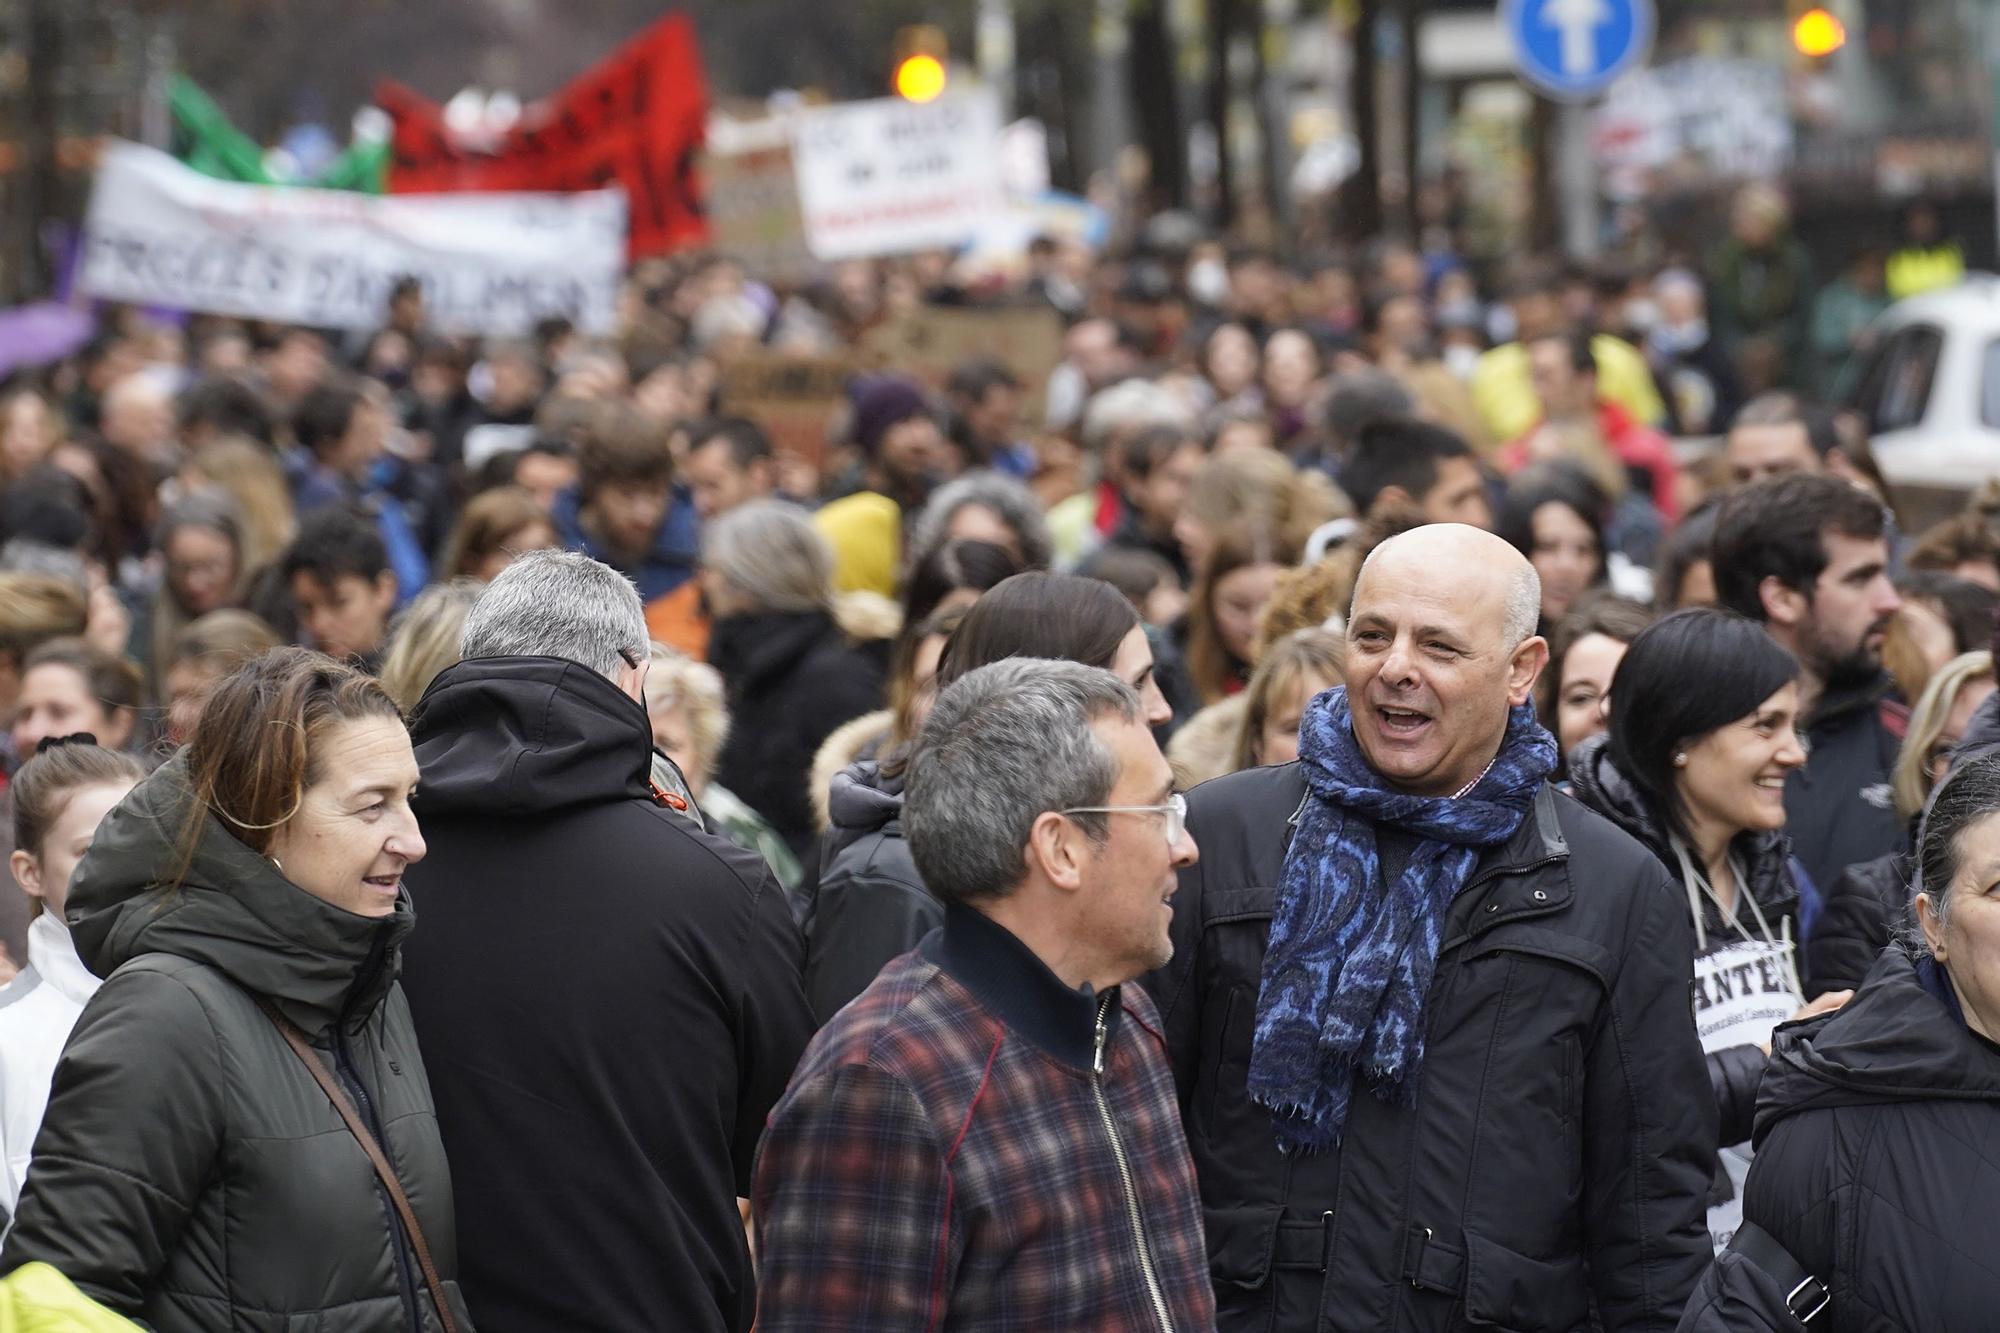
[1911, 780]
[252, 477]
[678, 681]
[425, 639]
[1284, 664]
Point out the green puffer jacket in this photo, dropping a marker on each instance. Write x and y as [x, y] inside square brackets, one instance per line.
[189, 1172]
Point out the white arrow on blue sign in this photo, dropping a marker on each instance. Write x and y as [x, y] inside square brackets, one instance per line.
[1574, 49]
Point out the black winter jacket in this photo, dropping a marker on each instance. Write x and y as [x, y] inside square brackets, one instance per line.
[1733, 1073]
[190, 1172]
[612, 1002]
[1552, 1173]
[1838, 808]
[1863, 911]
[1878, 1165]
[793, 678]
[872, 905]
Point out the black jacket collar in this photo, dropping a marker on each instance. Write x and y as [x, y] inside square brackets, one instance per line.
[1010, 980]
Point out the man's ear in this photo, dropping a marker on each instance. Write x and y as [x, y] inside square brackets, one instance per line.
[385, 591]
[1783, 604]
[1390, 499]
[1525, 667]
[1055, 851]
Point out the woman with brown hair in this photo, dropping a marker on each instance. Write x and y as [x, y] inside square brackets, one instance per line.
[68, 686]
[60, 796]
[1219, 636]
[203, 653]
[497, 525]
[248, 1075]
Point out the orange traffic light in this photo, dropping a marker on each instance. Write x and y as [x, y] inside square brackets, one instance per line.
[1818, 33]
[920, 78]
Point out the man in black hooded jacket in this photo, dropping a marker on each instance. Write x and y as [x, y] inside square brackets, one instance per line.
[608, 999]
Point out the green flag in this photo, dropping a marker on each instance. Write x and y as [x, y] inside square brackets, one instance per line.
[214, 147]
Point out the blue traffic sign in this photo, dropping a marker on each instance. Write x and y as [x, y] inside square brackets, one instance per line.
[1573, 49]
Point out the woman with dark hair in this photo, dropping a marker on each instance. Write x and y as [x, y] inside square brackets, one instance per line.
[1584, 654]
[69, 686]
[871, 905]
[1686, 574]
[248, 1074]
[60, 796]
[1878, 1128]
[1554, 514]
[1704, 732]
[954, 574]
[1219, 635]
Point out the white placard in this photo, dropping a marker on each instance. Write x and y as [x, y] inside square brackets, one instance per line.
[160, 233]
[889, 176]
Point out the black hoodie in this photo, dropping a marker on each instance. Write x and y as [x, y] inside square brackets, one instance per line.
[610, 1000]
[872, 905]
[1878, 1163]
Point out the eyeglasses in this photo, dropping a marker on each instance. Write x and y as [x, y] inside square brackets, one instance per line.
[630, 658]
[1175, 811]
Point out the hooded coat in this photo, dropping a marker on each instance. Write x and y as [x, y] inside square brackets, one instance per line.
[610, 998]
[792, 678]
[1733, 1073]
[190, 1173]
[872, 905]
[1878, 1165]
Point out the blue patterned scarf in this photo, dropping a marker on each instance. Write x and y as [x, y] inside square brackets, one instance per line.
[1350, 958]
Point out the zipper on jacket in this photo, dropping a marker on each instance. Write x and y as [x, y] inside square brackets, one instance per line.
[406, 1281]
[1153, 1288]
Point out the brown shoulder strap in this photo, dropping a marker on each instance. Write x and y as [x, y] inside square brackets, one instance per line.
[386, 1173]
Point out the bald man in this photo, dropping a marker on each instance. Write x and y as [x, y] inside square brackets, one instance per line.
[1429, 1019]
[137, 416]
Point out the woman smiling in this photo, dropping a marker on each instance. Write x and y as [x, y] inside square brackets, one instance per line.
[210, 1155]
[1703, 735]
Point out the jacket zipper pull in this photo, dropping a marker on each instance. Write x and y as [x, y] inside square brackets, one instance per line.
[1097, 1060]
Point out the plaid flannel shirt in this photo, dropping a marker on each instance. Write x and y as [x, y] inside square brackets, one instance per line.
[933, 1167]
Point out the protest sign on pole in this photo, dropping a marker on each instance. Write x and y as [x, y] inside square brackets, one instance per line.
[753, 212]
[160, 233]
[635, 120]
[889, 176]
[793, 399]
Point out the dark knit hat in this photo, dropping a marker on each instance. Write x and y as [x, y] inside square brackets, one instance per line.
[884, 401]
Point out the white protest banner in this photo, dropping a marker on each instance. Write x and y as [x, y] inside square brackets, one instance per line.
[159, 233]
[889, 176]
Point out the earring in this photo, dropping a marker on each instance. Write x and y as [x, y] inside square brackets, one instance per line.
[1681, 759]
[279, 864]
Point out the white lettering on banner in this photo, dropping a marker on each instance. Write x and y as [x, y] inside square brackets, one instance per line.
[1742, 991]
[889, 176]
[160, 233]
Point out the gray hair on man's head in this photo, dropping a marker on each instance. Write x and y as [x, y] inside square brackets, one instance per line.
[771, 553]
[1005, 744]
[1524, 605]
[558, 604]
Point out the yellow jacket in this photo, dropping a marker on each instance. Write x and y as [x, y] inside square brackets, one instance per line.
[35, 1298]
[1504, 395]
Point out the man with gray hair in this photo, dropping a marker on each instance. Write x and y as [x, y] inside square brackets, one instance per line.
[987, 1138]
[1429, 1018]
[610, 999]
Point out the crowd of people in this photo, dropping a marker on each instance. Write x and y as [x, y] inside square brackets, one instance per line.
[1345, 805]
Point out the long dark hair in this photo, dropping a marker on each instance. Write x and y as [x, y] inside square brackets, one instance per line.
[1683, 677]
[1038, 614]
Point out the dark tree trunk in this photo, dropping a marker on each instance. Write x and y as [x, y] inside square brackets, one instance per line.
[1156, 104]
[1361, 201]
[1413, 61]
[1221, 26]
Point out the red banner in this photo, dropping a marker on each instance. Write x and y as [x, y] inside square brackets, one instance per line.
[636, 119]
